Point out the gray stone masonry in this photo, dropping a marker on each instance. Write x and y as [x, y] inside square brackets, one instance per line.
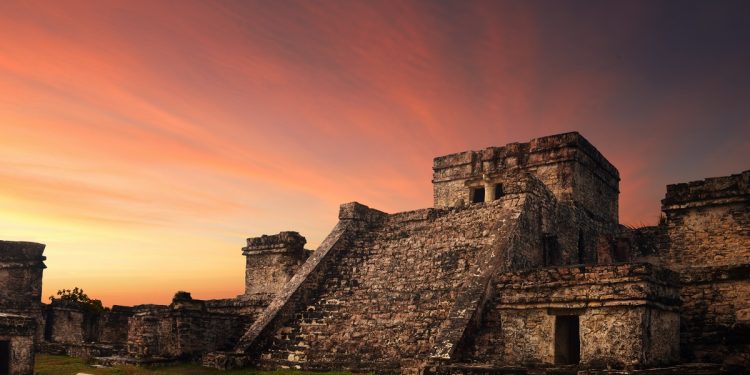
[566, 163]
[21, 320]
[271, 262]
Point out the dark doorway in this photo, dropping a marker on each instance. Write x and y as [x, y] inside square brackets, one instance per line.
[477, 195]
[498, 191]
[622, 250]
[4, 357]
[567, 340]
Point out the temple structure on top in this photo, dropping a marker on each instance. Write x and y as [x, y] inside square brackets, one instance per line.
[567, 164]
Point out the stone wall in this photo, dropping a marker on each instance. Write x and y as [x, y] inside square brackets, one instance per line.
[249, 307]
[21, 320]
[70, 324]
[566, 163]
[67, 323]
[113, 326]
[716, 315]
[628, 316]
[707, 238]
[21, 267]
[17, 335]
[184, 330]
[708, 222]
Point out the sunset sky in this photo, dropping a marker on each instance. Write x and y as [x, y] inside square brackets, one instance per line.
[143, 141]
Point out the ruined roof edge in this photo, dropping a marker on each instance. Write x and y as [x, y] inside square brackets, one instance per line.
[714, 190]
[569, 139]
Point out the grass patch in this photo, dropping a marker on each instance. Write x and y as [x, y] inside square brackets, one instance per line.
[63, 365]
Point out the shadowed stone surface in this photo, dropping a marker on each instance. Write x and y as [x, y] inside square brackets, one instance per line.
[21, 322]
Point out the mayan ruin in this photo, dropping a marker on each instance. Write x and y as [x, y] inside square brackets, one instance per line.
[520, 267]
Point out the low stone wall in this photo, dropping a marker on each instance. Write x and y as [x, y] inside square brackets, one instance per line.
[69, 323]
[249, 307]
[469, 369]
[716, 315]
[113, 326]
[707, 238]
[184, 329]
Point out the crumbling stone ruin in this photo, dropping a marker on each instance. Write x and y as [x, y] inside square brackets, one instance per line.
[21, 267]
[521, 267]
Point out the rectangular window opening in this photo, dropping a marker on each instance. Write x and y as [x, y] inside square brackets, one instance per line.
[567, 340]
[477, 195]
[498, 191]
[581, 248]
[4, 357]
[551, 250]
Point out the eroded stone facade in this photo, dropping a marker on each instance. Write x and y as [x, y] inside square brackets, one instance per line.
[21, 322]
[568, 165]
[611, 305]
[271, 262]
[185, 329]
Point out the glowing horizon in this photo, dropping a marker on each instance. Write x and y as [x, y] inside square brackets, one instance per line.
[142, 142]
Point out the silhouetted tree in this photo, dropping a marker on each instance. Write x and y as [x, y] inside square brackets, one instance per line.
[79, 297]
[182, 296]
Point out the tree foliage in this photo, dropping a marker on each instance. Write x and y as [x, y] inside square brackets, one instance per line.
[182, 296]
[79, 297]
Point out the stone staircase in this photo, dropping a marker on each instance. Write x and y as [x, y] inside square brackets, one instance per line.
[391, 292]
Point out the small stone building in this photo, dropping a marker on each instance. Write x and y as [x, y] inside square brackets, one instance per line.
[602, 316]
[21, 267]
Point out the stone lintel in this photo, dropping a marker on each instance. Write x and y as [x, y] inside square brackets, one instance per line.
[565, 308]
[12, 324]
[630, 284]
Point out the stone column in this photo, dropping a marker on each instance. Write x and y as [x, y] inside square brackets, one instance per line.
[272, 261]
[489, 190]
[21, 268]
